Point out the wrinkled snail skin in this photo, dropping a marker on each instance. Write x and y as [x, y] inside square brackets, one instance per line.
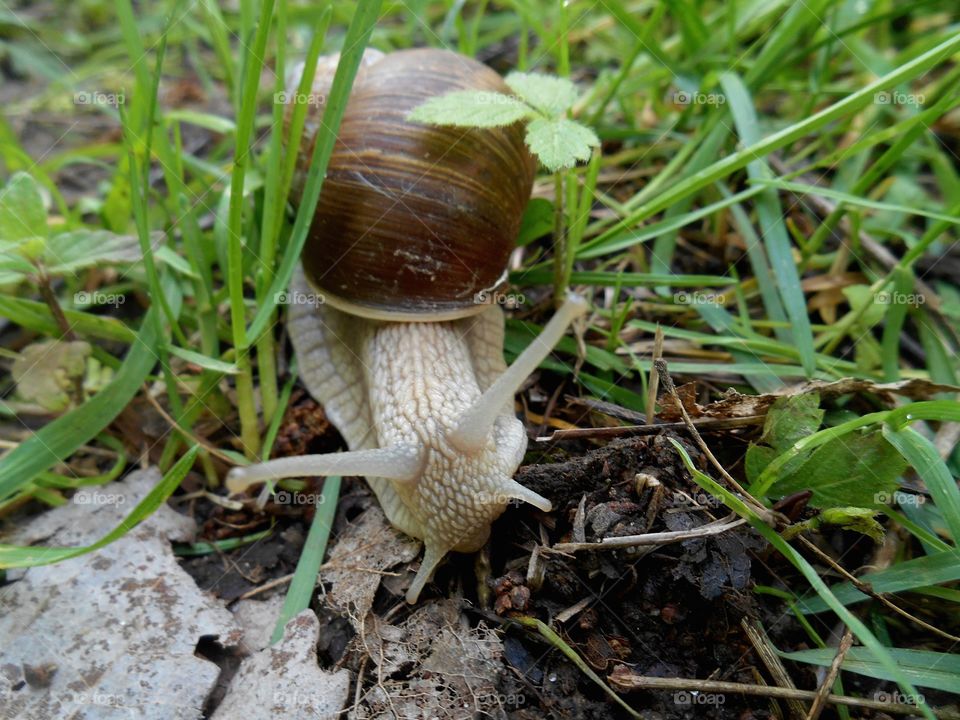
[424, 402]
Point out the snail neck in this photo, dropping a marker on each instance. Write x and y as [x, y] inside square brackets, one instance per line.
[421, 380]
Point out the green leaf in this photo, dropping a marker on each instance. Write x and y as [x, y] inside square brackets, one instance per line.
[14, 556]
[78, 249]
[860, 296]
[788, 420]
[549, 94]
[792, 419]
[560, 143]
[923, 667]
[470, 108]
[22, 213]
[857, 470]
[36, 316]
[13, 267]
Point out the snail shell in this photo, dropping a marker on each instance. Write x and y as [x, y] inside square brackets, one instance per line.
[415, 220]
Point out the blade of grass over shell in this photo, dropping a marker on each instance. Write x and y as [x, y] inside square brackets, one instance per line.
[358, 35]
[300, 592]
[12, 556]
[880, 654]
[784, 137]
[773, 231]
[278, 187]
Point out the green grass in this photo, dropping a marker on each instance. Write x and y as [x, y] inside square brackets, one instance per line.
[806, 121]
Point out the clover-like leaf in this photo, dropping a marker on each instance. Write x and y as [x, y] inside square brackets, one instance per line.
[551, 95]
[471, 108]
[560, 143]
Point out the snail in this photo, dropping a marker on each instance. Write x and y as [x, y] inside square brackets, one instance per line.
[412, 232]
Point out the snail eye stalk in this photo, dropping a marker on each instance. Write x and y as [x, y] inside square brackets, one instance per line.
[474, 426]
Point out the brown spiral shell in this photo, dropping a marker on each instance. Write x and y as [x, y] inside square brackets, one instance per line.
[414, 221]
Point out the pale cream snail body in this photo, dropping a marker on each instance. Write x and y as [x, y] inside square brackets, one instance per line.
[414, 223]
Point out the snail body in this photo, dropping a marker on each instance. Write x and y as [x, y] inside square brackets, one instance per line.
[406, 362]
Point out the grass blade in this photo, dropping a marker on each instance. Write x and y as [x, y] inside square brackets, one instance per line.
[304, 580]
[358, 35]
[12, 556]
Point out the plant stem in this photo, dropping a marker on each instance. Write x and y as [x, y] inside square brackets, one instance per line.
[559, 241]
[50, 297]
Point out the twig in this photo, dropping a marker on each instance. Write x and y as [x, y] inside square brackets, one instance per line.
[658, 538]
[821, 700]
[652, 428]
[626, 681]
[867, 590]
[763, 647]
[768, 516]
[186, 433]
[654, 384]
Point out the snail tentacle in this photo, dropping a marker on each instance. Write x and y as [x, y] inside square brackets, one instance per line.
[473, 428]
[402, 463]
